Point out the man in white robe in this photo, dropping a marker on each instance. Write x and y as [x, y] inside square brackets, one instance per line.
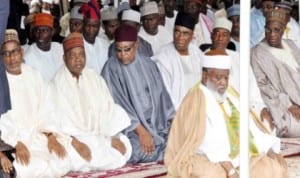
[153, 33]
[44, 55]
[75, 21]
[179, 61]
[96, 49]
[110, 23]
[204, 24]
[171, 14]
[21, 126]
[90, 122]
[220, 37]
[195, 139]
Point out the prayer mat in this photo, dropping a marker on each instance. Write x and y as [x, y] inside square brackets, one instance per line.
[141, 170]
[290, 147]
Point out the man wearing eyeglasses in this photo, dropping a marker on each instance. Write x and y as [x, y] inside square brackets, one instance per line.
[20, 127]
[132, 18]
[276, 66]
[136, 84]
[44, 55]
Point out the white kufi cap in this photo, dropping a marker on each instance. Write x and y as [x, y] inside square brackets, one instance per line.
[75, 13]
[223, 22]
[217, 61]
[131, 15]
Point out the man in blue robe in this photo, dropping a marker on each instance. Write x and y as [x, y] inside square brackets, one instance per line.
[136, 84]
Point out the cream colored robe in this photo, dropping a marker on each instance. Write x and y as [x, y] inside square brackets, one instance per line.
[157, 41]
[189, 130]
[88, 112]
[177, 77]
[23, 123]
[46, 62]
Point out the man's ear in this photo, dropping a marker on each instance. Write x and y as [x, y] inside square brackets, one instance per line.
[204, 77]
[65, 58]
[137, 44]
[52, 32]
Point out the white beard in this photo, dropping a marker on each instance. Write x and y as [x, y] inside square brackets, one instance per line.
[219, 97]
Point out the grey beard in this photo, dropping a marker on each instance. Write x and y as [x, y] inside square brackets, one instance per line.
[219, 97]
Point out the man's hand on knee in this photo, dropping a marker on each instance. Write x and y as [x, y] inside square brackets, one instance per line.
[55, 146]
[82, 149]
[6, 164]
[22, 153]
[118, 145]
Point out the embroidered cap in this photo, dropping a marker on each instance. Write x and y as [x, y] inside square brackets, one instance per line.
[73, 40]
[43, 19]
[277, 15]
[11, 35]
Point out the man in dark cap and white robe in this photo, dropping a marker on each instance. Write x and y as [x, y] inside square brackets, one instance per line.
[179, 61]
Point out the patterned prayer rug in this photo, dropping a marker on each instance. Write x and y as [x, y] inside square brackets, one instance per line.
[293, 166]
[142, 170]
[290, 147]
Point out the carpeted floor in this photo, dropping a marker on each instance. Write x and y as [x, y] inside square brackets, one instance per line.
[293, 166]
[290, 149]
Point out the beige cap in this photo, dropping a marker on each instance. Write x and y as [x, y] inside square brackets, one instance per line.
[223, 22]
[109, 13]
[148, 8]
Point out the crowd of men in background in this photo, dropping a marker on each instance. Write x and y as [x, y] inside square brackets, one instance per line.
[104, 85]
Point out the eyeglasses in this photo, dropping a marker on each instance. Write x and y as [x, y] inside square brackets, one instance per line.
[13, 52]
[125, 50]
[275, 30]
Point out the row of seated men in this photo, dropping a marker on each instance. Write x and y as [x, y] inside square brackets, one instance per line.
[80, 121]
[151, 37]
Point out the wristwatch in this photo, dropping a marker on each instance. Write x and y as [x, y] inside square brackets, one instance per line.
[231, 172]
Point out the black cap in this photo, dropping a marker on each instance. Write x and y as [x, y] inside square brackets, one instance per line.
[186, 20]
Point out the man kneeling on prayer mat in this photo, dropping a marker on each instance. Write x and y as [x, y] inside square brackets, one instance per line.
[89, 122]
[136, 84]
[204, 137]
[36, 154]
